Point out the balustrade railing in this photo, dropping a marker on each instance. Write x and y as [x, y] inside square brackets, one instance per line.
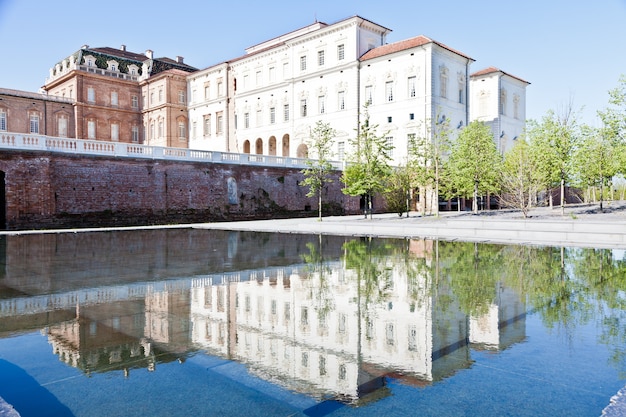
[19, 141]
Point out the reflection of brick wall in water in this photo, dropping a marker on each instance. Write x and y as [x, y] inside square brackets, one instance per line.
[61, 262]
[46, 190]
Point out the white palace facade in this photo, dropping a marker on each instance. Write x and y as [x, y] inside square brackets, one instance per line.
[267, 101]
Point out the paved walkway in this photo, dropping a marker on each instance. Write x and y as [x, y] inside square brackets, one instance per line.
[581, 226]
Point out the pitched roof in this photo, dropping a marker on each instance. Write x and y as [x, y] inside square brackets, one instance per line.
[494, 70]
[404, 45]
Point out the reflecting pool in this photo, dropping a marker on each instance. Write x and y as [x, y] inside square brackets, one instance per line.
[188, 322]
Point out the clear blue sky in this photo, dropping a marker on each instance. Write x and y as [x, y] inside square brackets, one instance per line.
[569, 50]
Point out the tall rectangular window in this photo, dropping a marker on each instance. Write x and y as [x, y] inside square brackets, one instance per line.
[181, 97]
[246, 120]
[207, 91]
[321, 104]
[160, 96]
[389, 140]
[340, 52]
[411, 85]
[182, 134]
[259, 116]
[194, 131]
[160, 128]
[389, 90]
[134, 132]
[320, 58]
[91, 129]
[303, 111]
[220, 123]
[91, 95]
[134, 102]
[272, 72]
[341, 150]
[286, 112]
[115, 132]
[220, 88]
[259, 78]
[61, 126]
[114, 101]
[207, 125]
[272, 115]
[34, 123]
[368, 94]
[303, 63]
[342, 100]
[285, 70]
[3, 120]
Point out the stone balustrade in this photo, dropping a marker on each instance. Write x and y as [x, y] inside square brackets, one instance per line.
[25, 142]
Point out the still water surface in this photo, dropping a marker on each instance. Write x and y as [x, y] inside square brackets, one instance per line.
[184, 322]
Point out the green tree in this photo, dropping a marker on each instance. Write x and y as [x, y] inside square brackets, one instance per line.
[475, 162]
[368, 166]
[595, 160]
[319, 171]
[518, 181]
[553, 142]
[614, 123]
[426, 159]
[397, 190]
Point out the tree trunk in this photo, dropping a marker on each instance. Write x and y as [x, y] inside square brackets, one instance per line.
[475, 204]
[562, 196]
[319, 203]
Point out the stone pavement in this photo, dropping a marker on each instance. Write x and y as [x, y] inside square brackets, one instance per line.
[581, 226]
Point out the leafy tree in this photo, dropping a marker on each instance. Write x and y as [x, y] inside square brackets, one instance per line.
[614, 123]
[397, 190]
[368, 166]
[596, 160]
[518, 183]
[319, 171]
[553, 141]
[426, 159]
[475, 162]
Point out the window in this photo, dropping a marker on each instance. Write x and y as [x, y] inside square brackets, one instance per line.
[151, 98]
[368, 94]
[410, 140]
[207, 91]
[160, 128]
[160, 96]
[115, 132]
[340, 52]
[134, 102]
[272, 72]
[61, 126]
[411, 85]
[91, 95]
[3, 120]
[503, 102]
[286, 112]
[151, 130]
[259, 78]
[272, 115]
[220, 88]
[193, 130]
[303, 63]
[303, 108]
[246, 120]
[389, 90]
[320, 58]
[321, 105]
[341, 150]
[114, 101]
[181, 97]
[220, 123]
[34, 123]
[207, 125]
[390, 145]
[516, 106]
[411, 116]
[259, 116]
[389, 119]
[443, 82]
[91, 129]
[285, 70]
[134, 132]
[342, 100]
[182, 134]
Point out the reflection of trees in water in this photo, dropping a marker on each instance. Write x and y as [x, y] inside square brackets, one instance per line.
[566, 287]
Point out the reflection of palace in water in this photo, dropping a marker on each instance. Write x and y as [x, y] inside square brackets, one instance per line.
[313, 328]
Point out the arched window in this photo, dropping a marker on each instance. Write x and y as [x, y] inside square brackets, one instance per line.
[258, 148]
[246, 146]
[303, 151]
[272, 145]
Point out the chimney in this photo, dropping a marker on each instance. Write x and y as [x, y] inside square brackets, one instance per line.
[123, 48]
[179, 59]
[149, 53]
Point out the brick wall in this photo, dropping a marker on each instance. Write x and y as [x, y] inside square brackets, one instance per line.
[45, 190]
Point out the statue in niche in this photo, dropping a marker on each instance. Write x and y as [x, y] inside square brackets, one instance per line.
[232, 191]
